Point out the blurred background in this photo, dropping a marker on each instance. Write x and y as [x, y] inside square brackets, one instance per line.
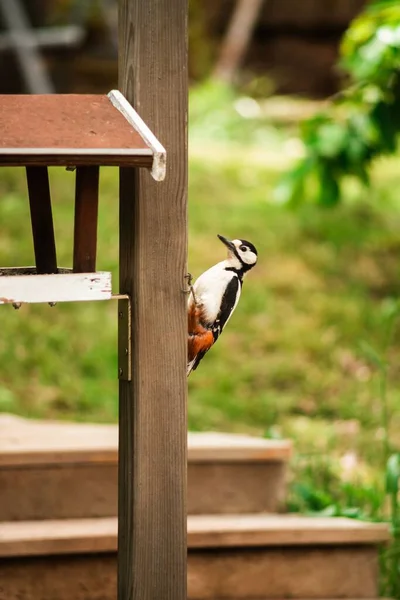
[294, 115]
[292, 50]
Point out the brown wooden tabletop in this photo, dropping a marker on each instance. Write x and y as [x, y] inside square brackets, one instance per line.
[73, 129]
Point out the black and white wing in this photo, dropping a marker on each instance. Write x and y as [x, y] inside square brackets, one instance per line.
[229, 301]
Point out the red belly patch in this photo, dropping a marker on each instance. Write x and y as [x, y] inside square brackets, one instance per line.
[200, 338]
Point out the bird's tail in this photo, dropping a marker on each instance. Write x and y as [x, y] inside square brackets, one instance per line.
[190, 366]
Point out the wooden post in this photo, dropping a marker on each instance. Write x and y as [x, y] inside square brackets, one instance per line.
[42, 220]
[85, 223]
[153, 252]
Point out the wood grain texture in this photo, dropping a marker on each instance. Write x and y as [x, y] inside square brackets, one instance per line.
[272, 573]
[25, 442]
[64, 536]
[236, 574]
[153, 250]
[212, 487]
[85, 226]
[77, 122]
[211, 532]
[227, 447]
[89, 577]
[62, 457]
[22, 497]
[242, 487]
[348, 576]
[42, 219]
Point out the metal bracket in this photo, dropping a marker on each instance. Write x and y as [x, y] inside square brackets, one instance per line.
[124, 336]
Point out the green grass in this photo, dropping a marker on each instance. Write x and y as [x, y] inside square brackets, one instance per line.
[292, 350]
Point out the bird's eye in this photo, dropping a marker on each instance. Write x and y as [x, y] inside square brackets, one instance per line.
[243, 248]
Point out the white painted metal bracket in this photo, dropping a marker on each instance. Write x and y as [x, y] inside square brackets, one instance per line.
[159, 153]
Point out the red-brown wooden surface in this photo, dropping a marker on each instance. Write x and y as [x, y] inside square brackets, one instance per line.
[67, 129]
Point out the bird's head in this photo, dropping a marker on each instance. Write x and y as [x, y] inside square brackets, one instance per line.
[242, 254]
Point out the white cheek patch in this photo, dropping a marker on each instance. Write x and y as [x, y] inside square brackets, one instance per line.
[249, 257]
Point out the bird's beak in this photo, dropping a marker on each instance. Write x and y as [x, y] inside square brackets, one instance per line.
[227, 242]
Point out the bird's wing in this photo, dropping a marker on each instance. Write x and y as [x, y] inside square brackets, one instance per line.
[229, 301]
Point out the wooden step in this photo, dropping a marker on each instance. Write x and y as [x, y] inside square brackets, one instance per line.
[62, 457]
[242, 557]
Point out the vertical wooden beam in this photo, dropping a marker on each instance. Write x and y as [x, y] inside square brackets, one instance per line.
[153, 254]
[41, 219]
[85, 228]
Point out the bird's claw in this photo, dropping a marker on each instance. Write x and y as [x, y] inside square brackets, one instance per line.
[190, 289]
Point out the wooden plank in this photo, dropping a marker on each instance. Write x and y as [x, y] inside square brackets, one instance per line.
[64, 536]
[76, 130]
[37, 492]
[212, 531]
[212, 488]
[25, 441]
[281, 573]
[68, 577]
[56, 121]
[347, 573]
[61, 287]
[42, 220]
[85, 226]
[37, 455]
[227, 447]
[73, 158]
[153, 255]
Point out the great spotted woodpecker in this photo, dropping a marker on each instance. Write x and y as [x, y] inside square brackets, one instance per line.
[214, 297]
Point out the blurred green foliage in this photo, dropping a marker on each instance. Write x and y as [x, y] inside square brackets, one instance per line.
[362, 122]
[220, 114]
[390, 568]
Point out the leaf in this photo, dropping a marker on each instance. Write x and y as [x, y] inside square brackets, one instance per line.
[393, 474]
[314, 499]
[352, 512]
[331, 139]
[361, 123]
[329, 511]
[329, 187]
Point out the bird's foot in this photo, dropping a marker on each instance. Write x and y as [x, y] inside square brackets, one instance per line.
[190, 289]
